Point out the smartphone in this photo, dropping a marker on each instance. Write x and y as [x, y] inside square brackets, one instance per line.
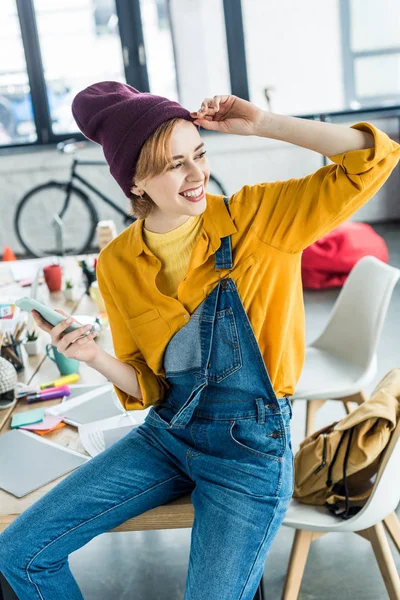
[50, 315]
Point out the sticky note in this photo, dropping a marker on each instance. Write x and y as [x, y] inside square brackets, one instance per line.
[27, 418]
[49, 421]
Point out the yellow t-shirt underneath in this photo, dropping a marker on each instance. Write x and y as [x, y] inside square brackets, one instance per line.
[174, 250]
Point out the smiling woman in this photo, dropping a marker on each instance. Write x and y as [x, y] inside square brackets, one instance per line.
[162, 175]
[205, 307]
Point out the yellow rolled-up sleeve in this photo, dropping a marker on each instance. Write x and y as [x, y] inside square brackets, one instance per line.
[291, 215]
[152, 387]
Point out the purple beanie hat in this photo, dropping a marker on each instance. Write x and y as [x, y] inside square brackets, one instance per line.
[121, 119]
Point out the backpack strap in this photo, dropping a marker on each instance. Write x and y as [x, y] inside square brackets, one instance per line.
[348, 512]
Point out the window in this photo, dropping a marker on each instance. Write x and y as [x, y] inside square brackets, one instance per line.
[51, 49]
[293, 52]
[372, 49]
[79, 45]
[286, 56]
[159, 48]
[16, 114]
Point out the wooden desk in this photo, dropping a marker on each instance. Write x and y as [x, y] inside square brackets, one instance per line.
[39, 369]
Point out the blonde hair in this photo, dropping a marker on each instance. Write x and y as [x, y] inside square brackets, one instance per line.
[153, 158]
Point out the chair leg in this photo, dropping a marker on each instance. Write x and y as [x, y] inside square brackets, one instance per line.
[297, 562]
[358, 398]
[392, 524]
[384, 557]
[311, 410]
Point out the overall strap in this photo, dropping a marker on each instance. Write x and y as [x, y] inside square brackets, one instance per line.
[223, 256]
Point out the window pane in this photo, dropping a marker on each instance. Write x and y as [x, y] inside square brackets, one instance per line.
[294, 49]
[16, 116]
[80, 45]
[377, 75]
[159, 48]
[375, 24]
[199, 39]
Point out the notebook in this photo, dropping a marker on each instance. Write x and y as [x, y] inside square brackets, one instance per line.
[29, 461]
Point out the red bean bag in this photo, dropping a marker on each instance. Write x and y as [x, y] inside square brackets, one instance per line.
[328, 262]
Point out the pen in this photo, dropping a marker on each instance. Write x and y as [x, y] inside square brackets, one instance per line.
[47, 395]
[64, 389]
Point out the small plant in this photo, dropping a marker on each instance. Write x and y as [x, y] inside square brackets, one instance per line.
[32, 336]
[68, 284]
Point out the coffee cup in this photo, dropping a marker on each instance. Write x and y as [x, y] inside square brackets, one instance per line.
[66, 366]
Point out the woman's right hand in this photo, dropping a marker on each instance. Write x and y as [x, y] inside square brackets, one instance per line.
[78, 344]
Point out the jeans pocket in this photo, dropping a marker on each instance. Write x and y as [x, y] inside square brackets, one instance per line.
[266, 440]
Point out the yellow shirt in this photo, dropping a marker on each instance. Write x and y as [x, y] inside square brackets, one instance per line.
[174, 249]
[270, 224]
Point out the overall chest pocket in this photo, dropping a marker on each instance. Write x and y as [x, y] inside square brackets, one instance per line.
[226, 357]
[149, 330]
[185, 351]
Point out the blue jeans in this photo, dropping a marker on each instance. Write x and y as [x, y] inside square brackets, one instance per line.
[235, 458]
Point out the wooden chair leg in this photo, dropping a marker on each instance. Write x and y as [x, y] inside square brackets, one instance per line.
[384, 557]
[311, 410]
[358, 398]
[392, 525]
[297, 562]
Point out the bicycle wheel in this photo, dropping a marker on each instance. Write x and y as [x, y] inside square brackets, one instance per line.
[46, 205]
[214, 186]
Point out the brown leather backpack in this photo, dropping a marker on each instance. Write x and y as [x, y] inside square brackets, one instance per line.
[337, 465]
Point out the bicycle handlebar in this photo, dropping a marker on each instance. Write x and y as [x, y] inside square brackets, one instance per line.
[70, 146]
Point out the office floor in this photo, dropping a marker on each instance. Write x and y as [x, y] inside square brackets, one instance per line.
[152, 565]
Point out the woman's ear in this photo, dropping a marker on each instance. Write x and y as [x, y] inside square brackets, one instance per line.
[136, 190]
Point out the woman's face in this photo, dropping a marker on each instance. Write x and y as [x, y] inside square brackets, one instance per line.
[180, 190]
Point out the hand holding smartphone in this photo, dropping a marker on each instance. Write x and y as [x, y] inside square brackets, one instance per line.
[50, 315]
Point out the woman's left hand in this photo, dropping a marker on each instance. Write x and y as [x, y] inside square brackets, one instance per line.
[228, 114]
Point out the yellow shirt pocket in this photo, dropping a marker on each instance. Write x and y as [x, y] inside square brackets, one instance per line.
[149, 331]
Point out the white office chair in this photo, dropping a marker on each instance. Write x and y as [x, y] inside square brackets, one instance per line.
[342, 360]
[311, 522]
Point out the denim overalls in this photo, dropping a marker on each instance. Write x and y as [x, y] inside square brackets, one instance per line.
[221, 434]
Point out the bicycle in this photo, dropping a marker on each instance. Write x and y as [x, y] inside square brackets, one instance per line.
[69, 227]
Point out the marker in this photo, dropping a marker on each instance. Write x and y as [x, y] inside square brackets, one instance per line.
[32, 392]
[47, 395]
[61, 381]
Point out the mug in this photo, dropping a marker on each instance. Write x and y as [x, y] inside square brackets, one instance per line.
[66, 366]
[95, 295]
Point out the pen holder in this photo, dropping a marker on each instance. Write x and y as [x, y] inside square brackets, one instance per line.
[13, 353]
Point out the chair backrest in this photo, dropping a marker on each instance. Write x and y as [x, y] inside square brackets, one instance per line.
[385, 495]
[355, 323]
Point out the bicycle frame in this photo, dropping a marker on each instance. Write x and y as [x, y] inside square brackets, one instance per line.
[74, 175]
